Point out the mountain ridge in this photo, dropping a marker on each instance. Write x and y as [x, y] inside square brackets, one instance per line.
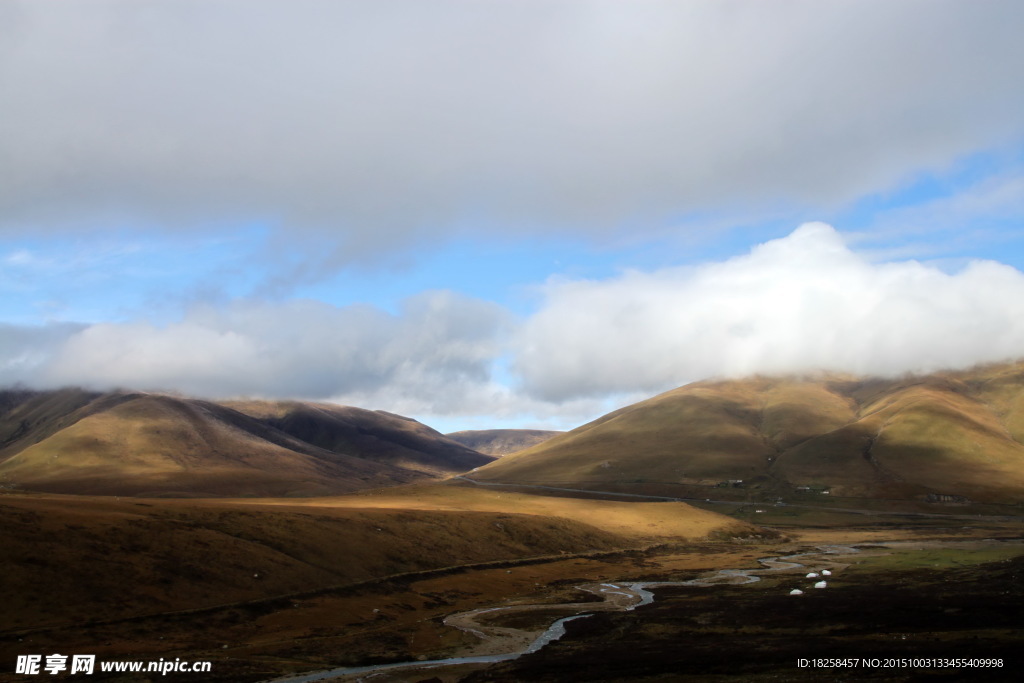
[950, 435]
[139, 443]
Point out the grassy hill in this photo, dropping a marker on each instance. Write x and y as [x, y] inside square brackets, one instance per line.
[141, 444]
[950, 436]
[78, 559]
[501, 441]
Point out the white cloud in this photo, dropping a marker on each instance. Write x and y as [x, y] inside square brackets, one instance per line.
[800, 303]
[23, 349]
[439, 344]
[384, 123]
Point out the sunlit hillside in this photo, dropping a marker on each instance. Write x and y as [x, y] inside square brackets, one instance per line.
[948, 437]
[151, 444]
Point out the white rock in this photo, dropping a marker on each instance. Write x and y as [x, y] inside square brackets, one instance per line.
[812, 575]
[796, 591]
[825, 572]
[820, 584]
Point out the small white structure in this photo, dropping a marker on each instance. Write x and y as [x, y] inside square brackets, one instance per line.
[812, 575]
[796, 591]
[825, 572]
[820, 584]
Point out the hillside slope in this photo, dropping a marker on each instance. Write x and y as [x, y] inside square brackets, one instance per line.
[501, 442]
[945, 437]
[370, 434]
[130, 443]
[142, 444]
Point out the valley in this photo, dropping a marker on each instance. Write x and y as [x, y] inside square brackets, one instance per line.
[279, 539]
[401, 602]
[511, 341]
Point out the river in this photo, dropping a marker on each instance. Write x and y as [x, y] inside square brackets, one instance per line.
[618, 596]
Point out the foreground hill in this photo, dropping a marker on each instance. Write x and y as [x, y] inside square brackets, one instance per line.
[74, 559]
[948, 437]
[501, 441]
[124, 443]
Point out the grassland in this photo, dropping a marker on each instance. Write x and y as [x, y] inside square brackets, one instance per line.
[637, 522]
[73, 559]
[264, 587]
[270, 583]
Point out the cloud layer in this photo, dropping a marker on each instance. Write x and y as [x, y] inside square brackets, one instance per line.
[377, 123]
[801, 303]
[432, 353]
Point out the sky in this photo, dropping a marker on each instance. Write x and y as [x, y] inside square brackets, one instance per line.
[505, 213]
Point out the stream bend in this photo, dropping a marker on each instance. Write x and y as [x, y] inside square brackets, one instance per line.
[500, 644]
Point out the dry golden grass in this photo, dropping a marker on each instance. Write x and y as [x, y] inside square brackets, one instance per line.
[638, 523]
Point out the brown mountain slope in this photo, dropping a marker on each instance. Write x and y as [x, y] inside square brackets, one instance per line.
[700, 433]
[374, 435]
[143, 444]
[28, 417]
[501, 441]
[948, 434]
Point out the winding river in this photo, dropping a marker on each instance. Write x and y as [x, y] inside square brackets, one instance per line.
[512, 643]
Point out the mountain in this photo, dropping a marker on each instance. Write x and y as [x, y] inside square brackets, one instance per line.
[946, 437]
[372, 434]
[501, 441]
[130, 443]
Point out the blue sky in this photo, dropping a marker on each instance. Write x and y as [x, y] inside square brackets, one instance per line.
[504, 213]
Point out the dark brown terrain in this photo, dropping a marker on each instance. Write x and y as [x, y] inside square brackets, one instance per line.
[760, 633]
